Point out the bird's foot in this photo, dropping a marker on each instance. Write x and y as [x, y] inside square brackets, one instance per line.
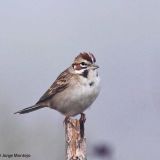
[81, 122]
[82, 118]
[66, 120]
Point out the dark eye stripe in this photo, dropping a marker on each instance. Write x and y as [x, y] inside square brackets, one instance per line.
[78, 66]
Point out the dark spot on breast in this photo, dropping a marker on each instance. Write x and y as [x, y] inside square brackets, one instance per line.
[85, 74]
[91, 83]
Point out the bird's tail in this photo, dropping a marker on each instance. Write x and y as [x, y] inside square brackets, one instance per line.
[29, 109]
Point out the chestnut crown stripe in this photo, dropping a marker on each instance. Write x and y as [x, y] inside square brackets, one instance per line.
[94, 59]
[87, 56]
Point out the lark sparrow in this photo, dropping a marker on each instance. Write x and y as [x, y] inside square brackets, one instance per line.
[74, 90]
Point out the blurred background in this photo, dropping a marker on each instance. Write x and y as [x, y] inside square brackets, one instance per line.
[39, 39]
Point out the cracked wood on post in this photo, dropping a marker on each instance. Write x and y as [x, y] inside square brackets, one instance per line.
[75, 143]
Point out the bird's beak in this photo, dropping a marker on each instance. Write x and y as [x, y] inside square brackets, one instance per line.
[94, 66]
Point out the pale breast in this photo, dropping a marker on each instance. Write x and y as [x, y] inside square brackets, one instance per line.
[77, 98]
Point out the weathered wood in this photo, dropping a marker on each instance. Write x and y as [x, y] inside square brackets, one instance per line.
[75, 141]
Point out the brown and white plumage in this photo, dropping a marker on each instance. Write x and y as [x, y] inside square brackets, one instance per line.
[74, 90]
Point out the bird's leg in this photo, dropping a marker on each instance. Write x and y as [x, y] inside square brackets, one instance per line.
[82, 118]
[66, 120]
[82, 121]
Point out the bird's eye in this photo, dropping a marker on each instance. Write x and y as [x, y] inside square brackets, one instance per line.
[83, 64]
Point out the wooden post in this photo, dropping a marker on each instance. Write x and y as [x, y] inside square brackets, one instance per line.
[75, 141]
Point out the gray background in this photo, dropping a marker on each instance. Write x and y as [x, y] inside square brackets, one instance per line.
[38, 39]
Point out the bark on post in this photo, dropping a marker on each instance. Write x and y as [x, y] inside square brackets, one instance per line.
[75, 141]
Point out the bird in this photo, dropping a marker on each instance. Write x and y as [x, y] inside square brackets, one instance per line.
[74, 90]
